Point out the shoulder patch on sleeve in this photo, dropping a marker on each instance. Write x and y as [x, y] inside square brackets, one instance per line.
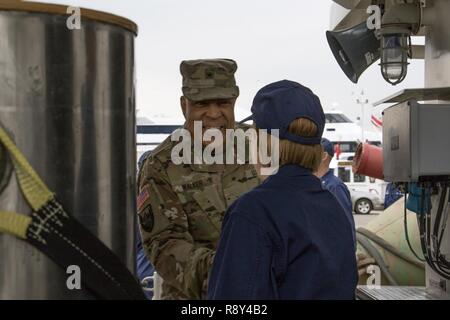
[146, 219]
[143, 199]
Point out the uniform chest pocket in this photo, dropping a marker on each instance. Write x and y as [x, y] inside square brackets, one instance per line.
[212, 203]
[233, 191]
[205, 209]
[210, 199]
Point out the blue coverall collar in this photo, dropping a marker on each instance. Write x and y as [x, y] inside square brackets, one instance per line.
[292, 170]
[330, 172]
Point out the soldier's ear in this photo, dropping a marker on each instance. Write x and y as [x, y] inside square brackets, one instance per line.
[183, 102]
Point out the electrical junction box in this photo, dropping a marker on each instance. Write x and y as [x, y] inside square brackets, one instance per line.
[416, 142]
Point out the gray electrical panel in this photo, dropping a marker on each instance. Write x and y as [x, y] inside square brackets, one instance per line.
[416, 141]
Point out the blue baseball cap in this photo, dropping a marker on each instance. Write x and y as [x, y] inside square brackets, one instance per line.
[328, 147]
[276, 105]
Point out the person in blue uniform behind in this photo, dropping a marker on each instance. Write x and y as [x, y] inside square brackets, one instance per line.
[335, 185]
[288, 238]
[392, 195]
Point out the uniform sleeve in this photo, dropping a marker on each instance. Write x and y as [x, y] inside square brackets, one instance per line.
[241, 268]
[165, 234]
[343, 196]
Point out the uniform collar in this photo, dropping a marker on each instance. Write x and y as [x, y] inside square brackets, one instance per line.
[294, 175]
[293, 170]
[328, 174]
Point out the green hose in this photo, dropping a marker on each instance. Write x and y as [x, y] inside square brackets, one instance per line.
[377, 257]
[387, 246]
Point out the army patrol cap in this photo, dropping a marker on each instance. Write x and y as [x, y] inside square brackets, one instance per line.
[208, 79]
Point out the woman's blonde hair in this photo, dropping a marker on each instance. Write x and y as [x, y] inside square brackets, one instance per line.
[308, 156]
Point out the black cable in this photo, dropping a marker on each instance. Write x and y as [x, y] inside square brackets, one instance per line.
[443, 230]
[426, 249]
[437, 259]
[433, 236]
[426, 239]
[421, 223]
[426, 232]
[428, 225]
[445, 223]
[405, 222]
[423, 235]
[442, 264]
[438, 218]
[423, 231]
[437, 224]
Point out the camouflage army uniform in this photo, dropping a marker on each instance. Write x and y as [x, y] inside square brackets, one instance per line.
[181, 208]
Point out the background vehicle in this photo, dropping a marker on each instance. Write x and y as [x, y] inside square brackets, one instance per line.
[365, 202]
[346, 134]
[366, 193]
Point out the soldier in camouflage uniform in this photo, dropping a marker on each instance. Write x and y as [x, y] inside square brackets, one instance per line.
[181, 207]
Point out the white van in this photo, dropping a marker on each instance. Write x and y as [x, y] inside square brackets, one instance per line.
[367, 193]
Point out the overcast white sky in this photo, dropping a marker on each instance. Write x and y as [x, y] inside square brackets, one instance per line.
[270, 40]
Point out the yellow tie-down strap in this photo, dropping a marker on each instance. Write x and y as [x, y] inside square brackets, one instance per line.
[14, 223]
[33, 188]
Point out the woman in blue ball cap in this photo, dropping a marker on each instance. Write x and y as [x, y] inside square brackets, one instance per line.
[288, 238]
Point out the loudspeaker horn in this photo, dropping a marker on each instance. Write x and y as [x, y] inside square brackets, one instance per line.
[355, 49]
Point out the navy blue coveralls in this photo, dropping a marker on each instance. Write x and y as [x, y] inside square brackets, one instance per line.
[392, 195]
[286, 239]
[340, 191]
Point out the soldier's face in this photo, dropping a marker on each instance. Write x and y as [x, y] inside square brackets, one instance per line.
[217, 114]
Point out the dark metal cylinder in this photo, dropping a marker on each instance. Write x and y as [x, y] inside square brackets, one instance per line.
[67, 99]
